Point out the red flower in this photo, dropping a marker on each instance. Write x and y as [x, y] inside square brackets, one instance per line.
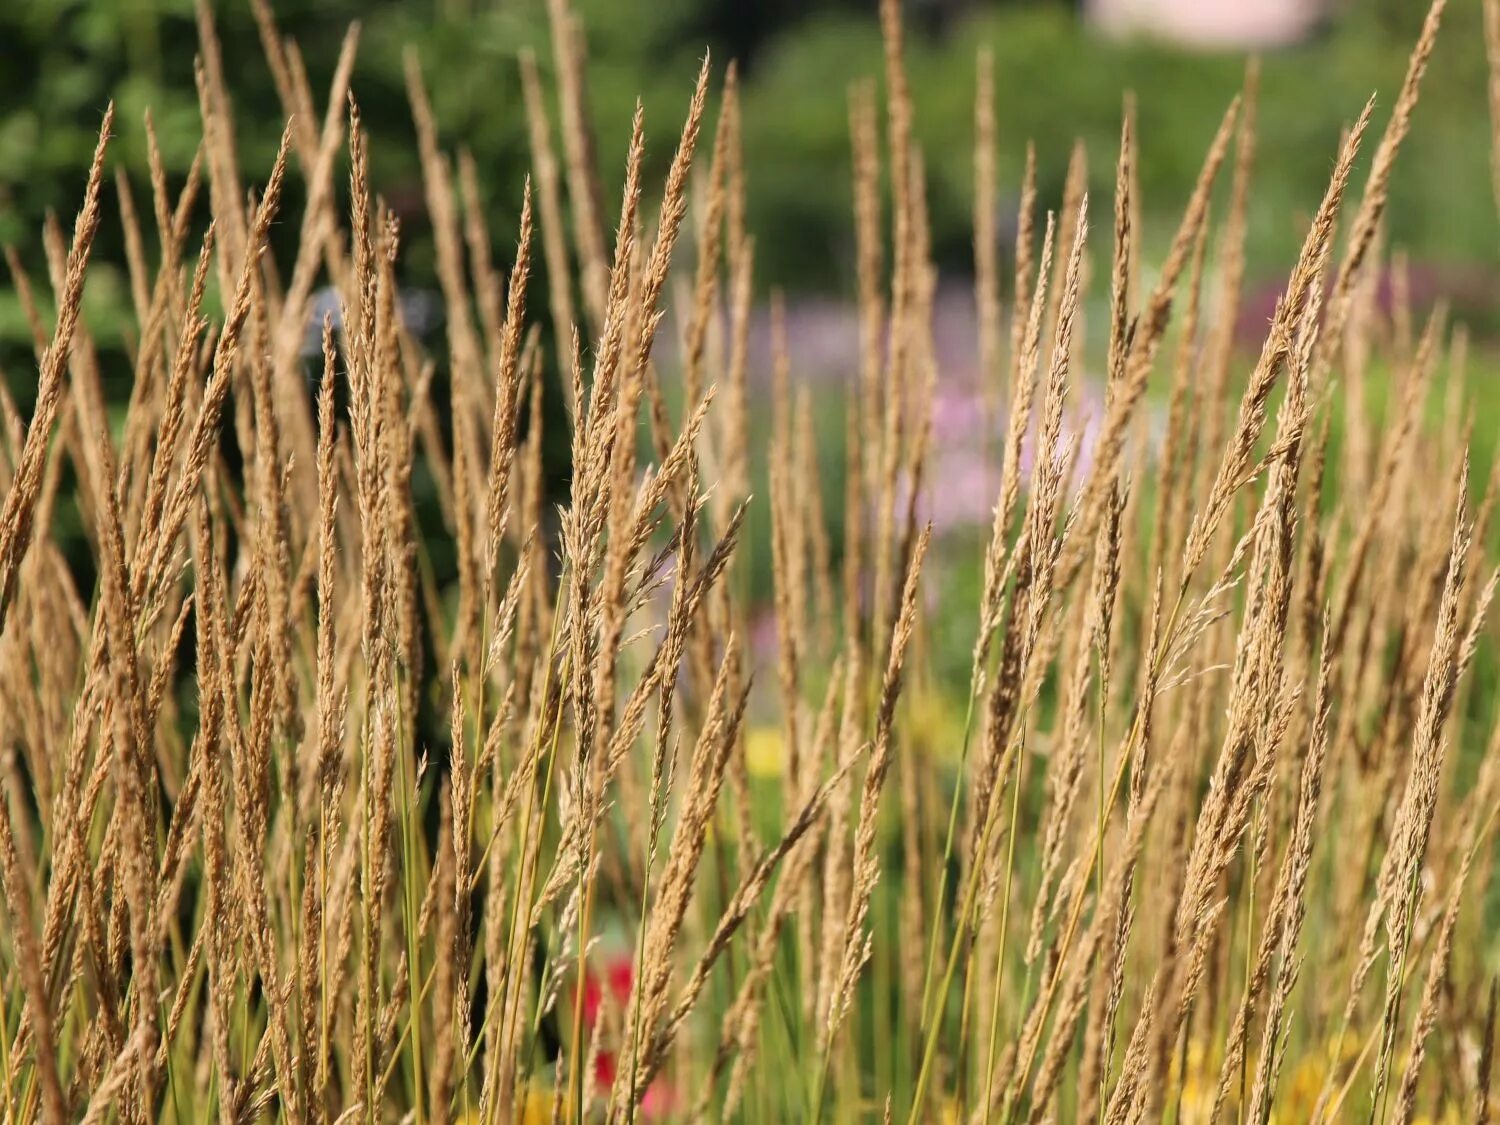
[618, 977]
[604, 1069]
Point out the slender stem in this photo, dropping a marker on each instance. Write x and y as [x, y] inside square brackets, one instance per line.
[640, 961]
[409, 783]
[1249, 965]
[933, 1023]
[1103, 816]
[958, 789]
[1010, 864]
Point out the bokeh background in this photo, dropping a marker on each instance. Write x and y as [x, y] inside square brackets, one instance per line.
[1061, 69]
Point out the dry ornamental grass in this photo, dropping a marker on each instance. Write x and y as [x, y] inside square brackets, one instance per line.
[1212, 845]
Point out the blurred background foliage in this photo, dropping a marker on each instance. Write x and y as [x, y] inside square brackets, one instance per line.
[1056, 80]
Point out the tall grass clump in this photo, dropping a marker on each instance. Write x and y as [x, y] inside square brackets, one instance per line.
[381, 760]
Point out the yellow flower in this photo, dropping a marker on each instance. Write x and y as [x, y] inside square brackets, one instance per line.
[1198, 1084]
[765, 752]
[936, 725]
[1299, 1097]
[536, 1107]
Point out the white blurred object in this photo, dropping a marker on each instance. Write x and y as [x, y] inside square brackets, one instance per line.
[1211, 23]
